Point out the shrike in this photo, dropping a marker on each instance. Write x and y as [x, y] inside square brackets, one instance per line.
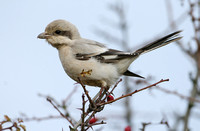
[91, 61]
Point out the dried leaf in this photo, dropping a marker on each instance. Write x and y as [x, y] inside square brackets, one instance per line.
[7, 118]
[18, 129]
[15, 125]
[23, 127]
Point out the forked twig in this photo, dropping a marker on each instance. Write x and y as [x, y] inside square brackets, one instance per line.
[49, 100]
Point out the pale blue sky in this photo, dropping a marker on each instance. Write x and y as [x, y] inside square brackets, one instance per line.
[30, 66]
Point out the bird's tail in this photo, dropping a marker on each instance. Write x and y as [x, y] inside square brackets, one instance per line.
[152, 46]
[159, 43]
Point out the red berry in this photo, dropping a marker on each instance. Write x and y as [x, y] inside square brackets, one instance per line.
[110, 98]
[128, 128]
[92, 120]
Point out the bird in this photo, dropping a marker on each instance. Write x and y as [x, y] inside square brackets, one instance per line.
[91, 61]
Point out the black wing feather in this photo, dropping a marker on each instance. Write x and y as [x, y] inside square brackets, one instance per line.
[110, 56]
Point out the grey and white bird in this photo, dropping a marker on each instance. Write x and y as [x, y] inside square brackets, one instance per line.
[102, 66]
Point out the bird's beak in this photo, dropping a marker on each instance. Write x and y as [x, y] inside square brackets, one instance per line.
[43, 35]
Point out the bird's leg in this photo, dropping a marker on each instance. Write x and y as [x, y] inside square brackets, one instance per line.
[97, 100]
[103, 91]
[100, 93]
[93, 106]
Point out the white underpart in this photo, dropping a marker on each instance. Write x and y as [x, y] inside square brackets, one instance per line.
[107, 73]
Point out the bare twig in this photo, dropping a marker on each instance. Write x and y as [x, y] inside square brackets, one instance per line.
[62, 106]
[136, 91]
[175, 93]
[120, 80]
[49, 100]
[83, 113]
[26, 119]
[150, 123]
[178, 94]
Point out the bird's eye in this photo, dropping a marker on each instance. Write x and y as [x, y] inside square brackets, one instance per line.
[58, 32]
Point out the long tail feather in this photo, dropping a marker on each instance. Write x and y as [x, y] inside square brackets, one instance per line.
[159, 43]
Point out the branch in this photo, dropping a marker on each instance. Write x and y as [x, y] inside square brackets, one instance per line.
[49, 100]
[175, 93]
[149, 123]
[179, 95]
[115, 86]
[26, 119]
[83, 113]
[134, 92]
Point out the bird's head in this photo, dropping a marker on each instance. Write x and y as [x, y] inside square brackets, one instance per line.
[60, 32]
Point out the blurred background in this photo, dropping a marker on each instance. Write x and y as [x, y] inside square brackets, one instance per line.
[31, 69]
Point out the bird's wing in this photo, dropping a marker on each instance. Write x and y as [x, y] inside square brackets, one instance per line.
[109, 56]
[90, 49]
[85, 46]
[86, 49]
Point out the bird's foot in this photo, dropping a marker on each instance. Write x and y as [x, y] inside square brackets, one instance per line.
[95, 107]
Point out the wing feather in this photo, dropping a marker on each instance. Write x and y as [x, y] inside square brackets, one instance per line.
[110, 56]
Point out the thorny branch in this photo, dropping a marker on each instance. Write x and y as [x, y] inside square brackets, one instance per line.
[83, 113]
[174, 93]
[134, 92]
[62, 106]
[49, 100]
[27, 119]
[82, 122]
[120, 80]
[93, 104]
